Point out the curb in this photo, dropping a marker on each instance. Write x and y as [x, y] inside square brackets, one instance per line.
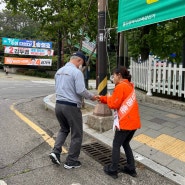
[162, 170]
[174, 104]
[48, 104]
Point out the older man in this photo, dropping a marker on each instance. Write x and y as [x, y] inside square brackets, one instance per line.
[70, 88]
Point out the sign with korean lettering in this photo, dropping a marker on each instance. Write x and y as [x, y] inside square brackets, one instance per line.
[87, 46]
[26, 43]
[28, 51]
[27, 61]
[137, 13]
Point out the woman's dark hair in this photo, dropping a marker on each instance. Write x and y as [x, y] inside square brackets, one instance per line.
[123, 72]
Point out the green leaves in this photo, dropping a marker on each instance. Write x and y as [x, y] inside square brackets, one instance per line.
[163, 39]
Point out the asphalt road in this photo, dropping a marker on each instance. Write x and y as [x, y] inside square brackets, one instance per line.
[24, 153]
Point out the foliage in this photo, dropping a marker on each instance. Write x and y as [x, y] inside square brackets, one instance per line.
[163, 40]
[34, 72]
[17, 26]
[72, 18]
[76, 19]
[64, 22]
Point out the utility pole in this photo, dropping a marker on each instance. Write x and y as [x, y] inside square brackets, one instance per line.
[101, 119]
[102, 62]
[183, 65]
[121, 61]
[59, 62]
[102, 109]
[122, 50]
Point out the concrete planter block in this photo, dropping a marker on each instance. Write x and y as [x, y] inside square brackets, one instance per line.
[99, 123]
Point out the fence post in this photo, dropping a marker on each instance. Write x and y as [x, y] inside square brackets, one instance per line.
[149, 92]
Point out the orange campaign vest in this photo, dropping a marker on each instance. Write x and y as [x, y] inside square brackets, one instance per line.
[124, 109]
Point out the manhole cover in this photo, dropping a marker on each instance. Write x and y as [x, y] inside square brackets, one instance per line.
[101, 153]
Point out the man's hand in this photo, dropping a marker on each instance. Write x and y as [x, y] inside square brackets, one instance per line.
[95, 97]
[98, 97]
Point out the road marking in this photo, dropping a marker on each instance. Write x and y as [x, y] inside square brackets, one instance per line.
[44, 82]
[166, 144]
[44, 135]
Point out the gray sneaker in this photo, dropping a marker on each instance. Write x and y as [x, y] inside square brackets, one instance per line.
[55, 158]
[73, 164]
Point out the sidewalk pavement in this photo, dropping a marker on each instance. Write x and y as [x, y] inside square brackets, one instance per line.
[160, 143]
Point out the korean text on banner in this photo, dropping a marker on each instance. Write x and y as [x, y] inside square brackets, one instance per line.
[26, 43]
[27, 61]
[28, 51]
[137, 13]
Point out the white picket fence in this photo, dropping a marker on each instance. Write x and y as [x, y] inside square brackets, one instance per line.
[166, 79]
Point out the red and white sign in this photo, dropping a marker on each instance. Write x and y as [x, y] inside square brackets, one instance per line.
[28, 51]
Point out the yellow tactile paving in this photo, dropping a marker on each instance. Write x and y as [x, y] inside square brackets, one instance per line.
[166, 144]
[175, 149]
[161, 142]
[166, 138]
[157, 144]
[143, 138]
[182, 157]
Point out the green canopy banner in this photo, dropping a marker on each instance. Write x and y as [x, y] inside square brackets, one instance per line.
[137, 13]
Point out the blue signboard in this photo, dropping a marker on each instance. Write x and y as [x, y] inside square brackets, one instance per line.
[26, 43]
[10, 41]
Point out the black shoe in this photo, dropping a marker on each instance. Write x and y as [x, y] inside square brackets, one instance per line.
[73, 164]
[129, 172]
[113, 173]
[55, 158]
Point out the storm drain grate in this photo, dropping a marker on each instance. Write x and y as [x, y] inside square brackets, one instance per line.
[101, 153]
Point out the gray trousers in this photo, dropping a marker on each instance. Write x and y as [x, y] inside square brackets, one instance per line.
[70, 120]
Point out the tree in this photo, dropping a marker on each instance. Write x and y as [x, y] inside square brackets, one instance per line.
[161, 39]
[71, 19]
[77, 18]
[17, 26]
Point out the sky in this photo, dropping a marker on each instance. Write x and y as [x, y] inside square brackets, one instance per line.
[2, 5]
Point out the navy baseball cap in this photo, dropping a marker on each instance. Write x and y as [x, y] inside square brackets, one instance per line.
[81, 55]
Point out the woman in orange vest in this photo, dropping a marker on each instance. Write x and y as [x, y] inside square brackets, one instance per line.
[126, 121]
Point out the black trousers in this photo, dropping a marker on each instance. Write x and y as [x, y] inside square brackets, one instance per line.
[123, 138]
